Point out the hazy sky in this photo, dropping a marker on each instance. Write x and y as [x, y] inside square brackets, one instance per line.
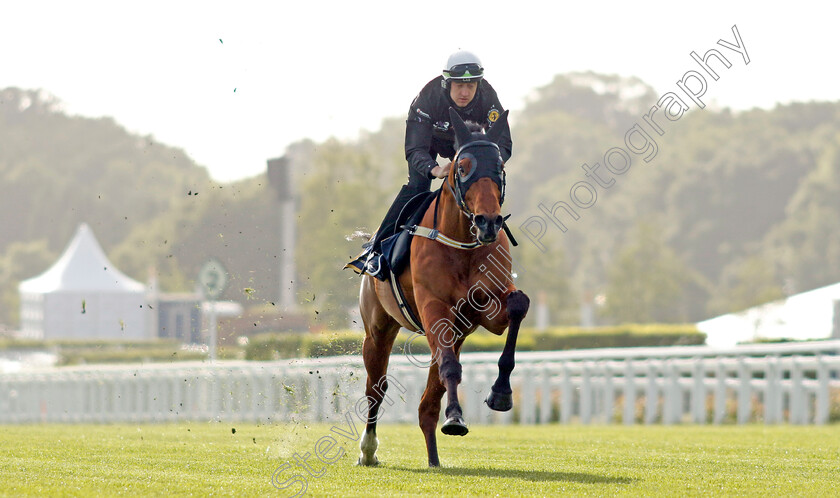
[233, 83]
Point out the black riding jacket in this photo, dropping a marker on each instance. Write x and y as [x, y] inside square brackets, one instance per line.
[428, 133]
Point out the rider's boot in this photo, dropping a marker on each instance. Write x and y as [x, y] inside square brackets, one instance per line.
[359, 263]
[370, 260]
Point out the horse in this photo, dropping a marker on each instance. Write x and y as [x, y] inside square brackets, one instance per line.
[442, 276]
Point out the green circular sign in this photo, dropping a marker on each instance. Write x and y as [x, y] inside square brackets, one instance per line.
[213, 278]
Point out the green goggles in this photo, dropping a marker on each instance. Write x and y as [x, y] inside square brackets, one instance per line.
[465, 71]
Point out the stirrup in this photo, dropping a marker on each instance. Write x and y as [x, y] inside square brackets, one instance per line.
[375, 267]
[369, 263]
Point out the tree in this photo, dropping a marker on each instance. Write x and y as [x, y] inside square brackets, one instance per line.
[725, 187]
[647, 281]
[601, 98]
[341, 194]
[745, 283]
[67, 170]
[545, 273]
[236, 224]
[806, 244]
[22, 260]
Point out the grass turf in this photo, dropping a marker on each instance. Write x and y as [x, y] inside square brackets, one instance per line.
[203, 459]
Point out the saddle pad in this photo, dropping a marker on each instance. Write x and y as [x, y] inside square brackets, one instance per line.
[396, 248]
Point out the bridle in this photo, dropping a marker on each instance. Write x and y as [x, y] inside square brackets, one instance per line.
[486, 160]
[486, 151]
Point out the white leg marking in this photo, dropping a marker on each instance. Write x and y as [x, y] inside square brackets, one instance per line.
[368, 445]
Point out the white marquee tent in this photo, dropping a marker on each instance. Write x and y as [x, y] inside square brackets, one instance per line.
[809, 315]
[82, 296]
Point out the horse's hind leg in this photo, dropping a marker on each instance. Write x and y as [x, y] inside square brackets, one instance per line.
[501, 395]
[380, 332]
[376, 350]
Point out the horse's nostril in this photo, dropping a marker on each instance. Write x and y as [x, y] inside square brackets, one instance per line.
[480, 220]
[499, 220]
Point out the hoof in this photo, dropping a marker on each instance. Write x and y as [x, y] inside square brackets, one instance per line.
[500, 402]
[362, 463]
[454, 426]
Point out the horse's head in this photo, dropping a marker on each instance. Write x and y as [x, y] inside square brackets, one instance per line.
[477, 178]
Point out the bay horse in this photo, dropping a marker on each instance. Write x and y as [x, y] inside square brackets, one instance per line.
[441, 285]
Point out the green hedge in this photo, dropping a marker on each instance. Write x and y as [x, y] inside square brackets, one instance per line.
[619, 336]
[292, 345]
[272, 346]
[83, 357]
[79, 351]
[73, 344]
[301, 345]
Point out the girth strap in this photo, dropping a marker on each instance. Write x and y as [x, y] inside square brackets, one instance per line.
[396, 289]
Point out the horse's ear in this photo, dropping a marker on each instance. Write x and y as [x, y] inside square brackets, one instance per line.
[462, 133]
[495, 132]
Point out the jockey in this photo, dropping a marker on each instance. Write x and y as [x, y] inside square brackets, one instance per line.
[428, 134]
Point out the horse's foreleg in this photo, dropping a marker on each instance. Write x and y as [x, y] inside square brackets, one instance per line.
[501, 395]
[450, 377]
[445, 340]
[429, 412]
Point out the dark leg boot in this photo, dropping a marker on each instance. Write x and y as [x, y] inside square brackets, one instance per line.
[369, 261]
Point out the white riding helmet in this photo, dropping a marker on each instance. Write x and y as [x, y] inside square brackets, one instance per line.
[463, 66]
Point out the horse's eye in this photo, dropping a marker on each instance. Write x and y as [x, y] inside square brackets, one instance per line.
[461, 171]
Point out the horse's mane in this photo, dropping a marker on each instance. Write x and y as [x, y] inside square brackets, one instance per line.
[476, 130]
[475, 127]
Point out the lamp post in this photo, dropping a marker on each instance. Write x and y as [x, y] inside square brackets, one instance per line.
[279, 177]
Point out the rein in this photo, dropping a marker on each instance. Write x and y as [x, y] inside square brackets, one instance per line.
[434, 234]
[463, 183]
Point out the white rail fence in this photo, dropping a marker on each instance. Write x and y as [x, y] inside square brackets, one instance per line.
[796, 383]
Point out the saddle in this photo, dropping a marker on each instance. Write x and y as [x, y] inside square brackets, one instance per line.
[396, 249]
